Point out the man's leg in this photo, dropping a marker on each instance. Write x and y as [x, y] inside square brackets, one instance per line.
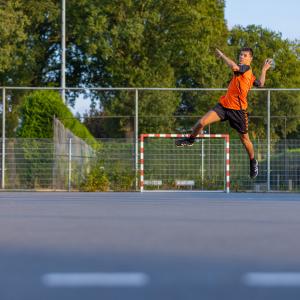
[247, 144]
[207, 119]
[250, 150]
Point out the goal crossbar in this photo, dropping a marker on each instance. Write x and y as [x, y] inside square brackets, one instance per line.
[200, 136]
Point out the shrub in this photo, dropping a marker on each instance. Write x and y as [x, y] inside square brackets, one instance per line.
[111, 177]
[121, 178]
[36, 117]
[96, 180]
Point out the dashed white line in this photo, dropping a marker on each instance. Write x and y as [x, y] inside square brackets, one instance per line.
[95, 279]
[271, 279]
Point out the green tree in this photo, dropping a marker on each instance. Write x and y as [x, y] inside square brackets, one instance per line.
[28, 49]
[114, 43]
[30, 42]
[153, 43]
[13, 22]
[149, 43]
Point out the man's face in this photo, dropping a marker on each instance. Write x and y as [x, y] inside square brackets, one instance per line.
[245, 58]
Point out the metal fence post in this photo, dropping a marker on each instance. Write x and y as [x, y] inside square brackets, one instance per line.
[70, 165]
[269, 141]
[63, 50]
[136, 130]
[3, 138]
[202, 162]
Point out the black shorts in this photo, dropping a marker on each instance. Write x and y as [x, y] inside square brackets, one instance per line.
[238, 119]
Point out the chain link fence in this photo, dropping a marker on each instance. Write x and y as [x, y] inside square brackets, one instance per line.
[113, 161]
[32, 164]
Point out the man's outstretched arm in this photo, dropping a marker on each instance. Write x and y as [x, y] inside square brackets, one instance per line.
[231, 64]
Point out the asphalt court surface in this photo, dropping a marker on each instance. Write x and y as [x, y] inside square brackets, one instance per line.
[158, 246]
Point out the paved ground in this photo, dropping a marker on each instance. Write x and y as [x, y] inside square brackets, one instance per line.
[156, 246]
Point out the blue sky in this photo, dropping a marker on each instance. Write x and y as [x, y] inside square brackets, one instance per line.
[279, 16]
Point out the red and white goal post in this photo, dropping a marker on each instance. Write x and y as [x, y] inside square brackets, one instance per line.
[203, 167]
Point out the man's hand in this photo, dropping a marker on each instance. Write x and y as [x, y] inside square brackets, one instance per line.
[268, 64]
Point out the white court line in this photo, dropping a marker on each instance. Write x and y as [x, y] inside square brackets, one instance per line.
[269, 279]
[95, 279]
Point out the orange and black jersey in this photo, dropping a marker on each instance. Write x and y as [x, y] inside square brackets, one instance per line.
[239, 86]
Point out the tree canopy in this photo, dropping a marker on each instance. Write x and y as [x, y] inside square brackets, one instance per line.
[130, 43]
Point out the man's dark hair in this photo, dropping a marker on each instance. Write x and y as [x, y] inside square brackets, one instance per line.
[247, 49]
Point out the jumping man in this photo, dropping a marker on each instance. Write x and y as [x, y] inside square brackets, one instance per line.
[233, 105]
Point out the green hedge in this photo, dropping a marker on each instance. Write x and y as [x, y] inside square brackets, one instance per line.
[37, 111]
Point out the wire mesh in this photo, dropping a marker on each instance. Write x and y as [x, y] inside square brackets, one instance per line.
[31, 164]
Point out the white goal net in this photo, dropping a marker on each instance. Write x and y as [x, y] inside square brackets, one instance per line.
[203, 167]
